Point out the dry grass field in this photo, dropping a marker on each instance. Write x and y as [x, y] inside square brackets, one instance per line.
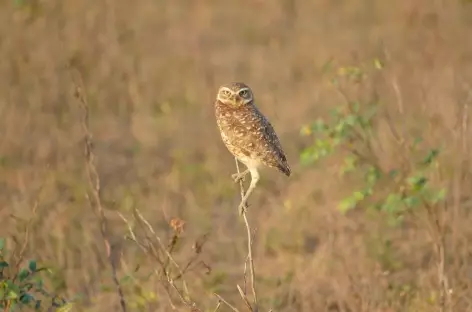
[149, 71]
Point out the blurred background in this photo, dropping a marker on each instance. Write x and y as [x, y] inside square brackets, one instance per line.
[150, 71]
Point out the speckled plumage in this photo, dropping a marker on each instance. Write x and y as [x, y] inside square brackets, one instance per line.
[247, 134]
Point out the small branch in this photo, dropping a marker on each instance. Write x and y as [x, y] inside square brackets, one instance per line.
[167, 252]
[94, 182]
[218, 305]
[437, 233]
[25, 243]
[244, 297]
[152, 245]
[394, 83]
[250, 258]
[221, 299]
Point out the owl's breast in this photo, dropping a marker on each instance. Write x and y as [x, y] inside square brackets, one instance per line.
[234, 130]
[231, 122]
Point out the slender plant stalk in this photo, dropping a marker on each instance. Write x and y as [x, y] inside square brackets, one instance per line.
[94, 182]
[250, 258]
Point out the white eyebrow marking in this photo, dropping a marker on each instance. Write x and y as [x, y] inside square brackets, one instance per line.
[227, 89]
[242, 89]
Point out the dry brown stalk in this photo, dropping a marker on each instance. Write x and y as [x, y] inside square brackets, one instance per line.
[249, 259]
[151, 245]
[94, 183]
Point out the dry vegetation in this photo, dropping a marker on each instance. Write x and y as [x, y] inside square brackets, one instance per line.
[150, 70]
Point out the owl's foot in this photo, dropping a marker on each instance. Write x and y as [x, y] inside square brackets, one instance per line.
[242, 208]
[238, 177]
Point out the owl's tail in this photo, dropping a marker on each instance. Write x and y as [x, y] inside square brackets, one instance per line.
[285, 169]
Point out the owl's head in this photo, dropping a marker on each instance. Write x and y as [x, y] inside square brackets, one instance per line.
[235, 94]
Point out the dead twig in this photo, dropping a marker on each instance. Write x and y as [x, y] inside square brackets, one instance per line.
[221, 299]
[250, 258]
[152, 245]
[94, 182]
[218, 305]
[21, 253]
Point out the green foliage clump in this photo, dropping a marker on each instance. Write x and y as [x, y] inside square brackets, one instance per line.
[351, 132]
[23, 287]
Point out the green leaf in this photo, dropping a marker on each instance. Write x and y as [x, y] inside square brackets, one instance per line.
[38, 281]
[439, 196]
[376, 206]
[366, 120]
[336, 141]
[349, 165]
[339, 128]
[351, 120]
[336, 112]
[431, 156]
[27, 287]
[3, 264]
[319, 126]
[26, 298]
[126, 279]
[417, 182]
[392, 203]
[323, 147]
[65, 308]
[368, 191]
[373, 175]
[11, 286]
[396, 220]
[378, 64]
[308, 156]
[12, 295]
[347, 204]
[106, 288]
[417, 141]
[23, 275]
[434, 196]
[32, 265]
[2, 243]
[356, 106]
[358, 196]
[412, 201]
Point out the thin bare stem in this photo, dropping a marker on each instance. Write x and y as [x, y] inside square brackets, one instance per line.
[218, 305]
[94, 182]
[250, 259]
[25, 243]
[244, 297]
[226, 302]
[245, 274]
[152, 245]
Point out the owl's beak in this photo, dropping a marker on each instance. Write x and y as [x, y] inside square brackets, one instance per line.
[236, 98]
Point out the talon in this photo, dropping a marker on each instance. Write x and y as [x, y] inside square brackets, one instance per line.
[237, 177]
[242, 208]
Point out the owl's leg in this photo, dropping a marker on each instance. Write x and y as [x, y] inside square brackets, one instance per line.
[254, 179]
[239, 176]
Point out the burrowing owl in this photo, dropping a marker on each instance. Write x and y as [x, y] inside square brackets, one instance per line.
[247, 134]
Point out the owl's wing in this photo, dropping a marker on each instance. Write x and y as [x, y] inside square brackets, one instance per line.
[274, 155]
[263, 143]
[246, 132]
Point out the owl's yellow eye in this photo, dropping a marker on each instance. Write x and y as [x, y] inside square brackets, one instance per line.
[243, 93]
[226, 93]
